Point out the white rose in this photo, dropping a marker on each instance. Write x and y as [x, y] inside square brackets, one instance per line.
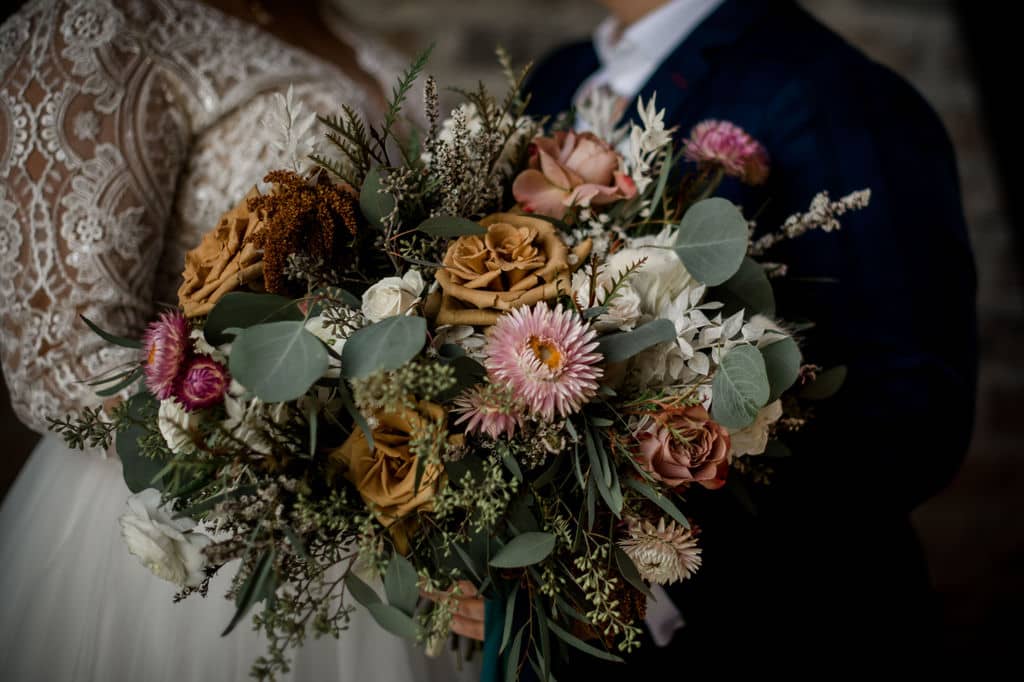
[165, 545]
[392, 296]
[661, 278]
[464, 336]
[623, 310]
[177, 426]
[753, 439]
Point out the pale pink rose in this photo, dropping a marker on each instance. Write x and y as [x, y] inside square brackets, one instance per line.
[571, 169]
[685, 446]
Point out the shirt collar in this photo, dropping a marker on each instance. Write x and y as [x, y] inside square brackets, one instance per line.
[629, 62]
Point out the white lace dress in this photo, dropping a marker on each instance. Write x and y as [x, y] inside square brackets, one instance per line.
[126, 128]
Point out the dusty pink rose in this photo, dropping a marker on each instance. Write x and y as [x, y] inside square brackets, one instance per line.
[571, 169]
[730, 147]
[685, 446]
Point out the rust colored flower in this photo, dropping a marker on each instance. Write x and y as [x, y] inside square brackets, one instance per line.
[386, 475]
[685, 446]
[225, 260]
[312, 218]
[520, 261]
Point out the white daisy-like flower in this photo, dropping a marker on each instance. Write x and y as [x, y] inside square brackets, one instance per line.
[663, 554]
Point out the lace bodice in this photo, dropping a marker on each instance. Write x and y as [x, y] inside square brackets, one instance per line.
[126, 128]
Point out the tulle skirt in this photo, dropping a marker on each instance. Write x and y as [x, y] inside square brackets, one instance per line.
[75, 605]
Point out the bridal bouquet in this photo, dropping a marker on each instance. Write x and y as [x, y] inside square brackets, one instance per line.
[498, 351]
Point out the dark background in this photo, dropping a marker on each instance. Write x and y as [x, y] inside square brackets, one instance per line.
[960, 55]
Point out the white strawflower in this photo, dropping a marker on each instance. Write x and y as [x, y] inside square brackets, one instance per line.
[393, 296]
[753, 439]
[250, 419]
[177, 426]
[664, 554]
[165, 545]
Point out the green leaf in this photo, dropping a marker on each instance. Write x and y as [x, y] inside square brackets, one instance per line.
[630, 572]
[514, 654]
[393, 620]
[107, 336]
[296, 542]
[510, 610]
[375, 204]
[662, 501]
[740, 388]
[749, 289]
[524, 550]
[401, 584]
[360, 591]
[577, 643]
[138, 470]
[444, 226]
[124, 383]
[242, 309]
[513, 466]
[278, 361]
[624, 345]
[712, 240]
[346, 399]
[782, 363]
[258, 586]
[467, 560]
[826, 385]
[389, 344]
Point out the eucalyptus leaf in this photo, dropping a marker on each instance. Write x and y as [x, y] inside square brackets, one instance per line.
[577, 643]
[621, 346]
[373, 201]
[510, 610]
[524, 550]
[350, 406]
[782, 363]
[240, 309]
[360, 591]
[740, 387]
[513, 466]
[278, 361]
[514, 654]
[140, 472]
[111, 338]
[125, 382]
[257, 587]
[749, 289]
[388, 344]
[444, 226]
[393, 620]
[826, 385]
[630, 572]
[401, 584]
[712, 240]
[662, 501]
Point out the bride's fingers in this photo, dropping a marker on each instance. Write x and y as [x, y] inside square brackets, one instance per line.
[471, 608]
[474, 629]
[468, 588]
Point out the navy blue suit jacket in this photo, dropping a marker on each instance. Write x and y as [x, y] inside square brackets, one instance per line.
[829, 556]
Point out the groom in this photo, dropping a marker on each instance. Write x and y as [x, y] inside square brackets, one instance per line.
[828, 563]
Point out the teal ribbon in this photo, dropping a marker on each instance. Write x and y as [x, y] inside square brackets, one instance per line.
[494, 626]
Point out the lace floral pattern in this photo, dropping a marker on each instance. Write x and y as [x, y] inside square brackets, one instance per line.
[118, 122]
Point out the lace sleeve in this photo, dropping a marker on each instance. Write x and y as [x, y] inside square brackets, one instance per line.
[91, 138]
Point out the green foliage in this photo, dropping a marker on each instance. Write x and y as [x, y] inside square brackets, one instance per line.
[712, 240]
[524, 550]
[446, 226]
[278, 361]
[749, 290]
[782, 362]
[740, 388]
[621, 346]
[388, 344]
[241, 310]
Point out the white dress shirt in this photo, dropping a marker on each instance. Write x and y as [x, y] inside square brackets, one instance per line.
[628, 60]
[630, 56]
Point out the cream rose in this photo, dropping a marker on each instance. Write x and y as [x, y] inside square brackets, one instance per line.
[624, 309]
[165, 545]
[753, 439]
[661, 278]
[392, 296]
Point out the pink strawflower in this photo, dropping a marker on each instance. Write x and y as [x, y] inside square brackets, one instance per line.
[203, 384]
[167, 346]
[727, 145]
[546, 357]
[489, 409]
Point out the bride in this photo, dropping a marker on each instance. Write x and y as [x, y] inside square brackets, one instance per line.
[126, 128]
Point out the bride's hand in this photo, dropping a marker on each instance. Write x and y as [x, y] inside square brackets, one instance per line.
[469, 612]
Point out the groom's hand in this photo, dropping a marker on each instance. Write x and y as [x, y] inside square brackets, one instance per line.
[469, 611]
